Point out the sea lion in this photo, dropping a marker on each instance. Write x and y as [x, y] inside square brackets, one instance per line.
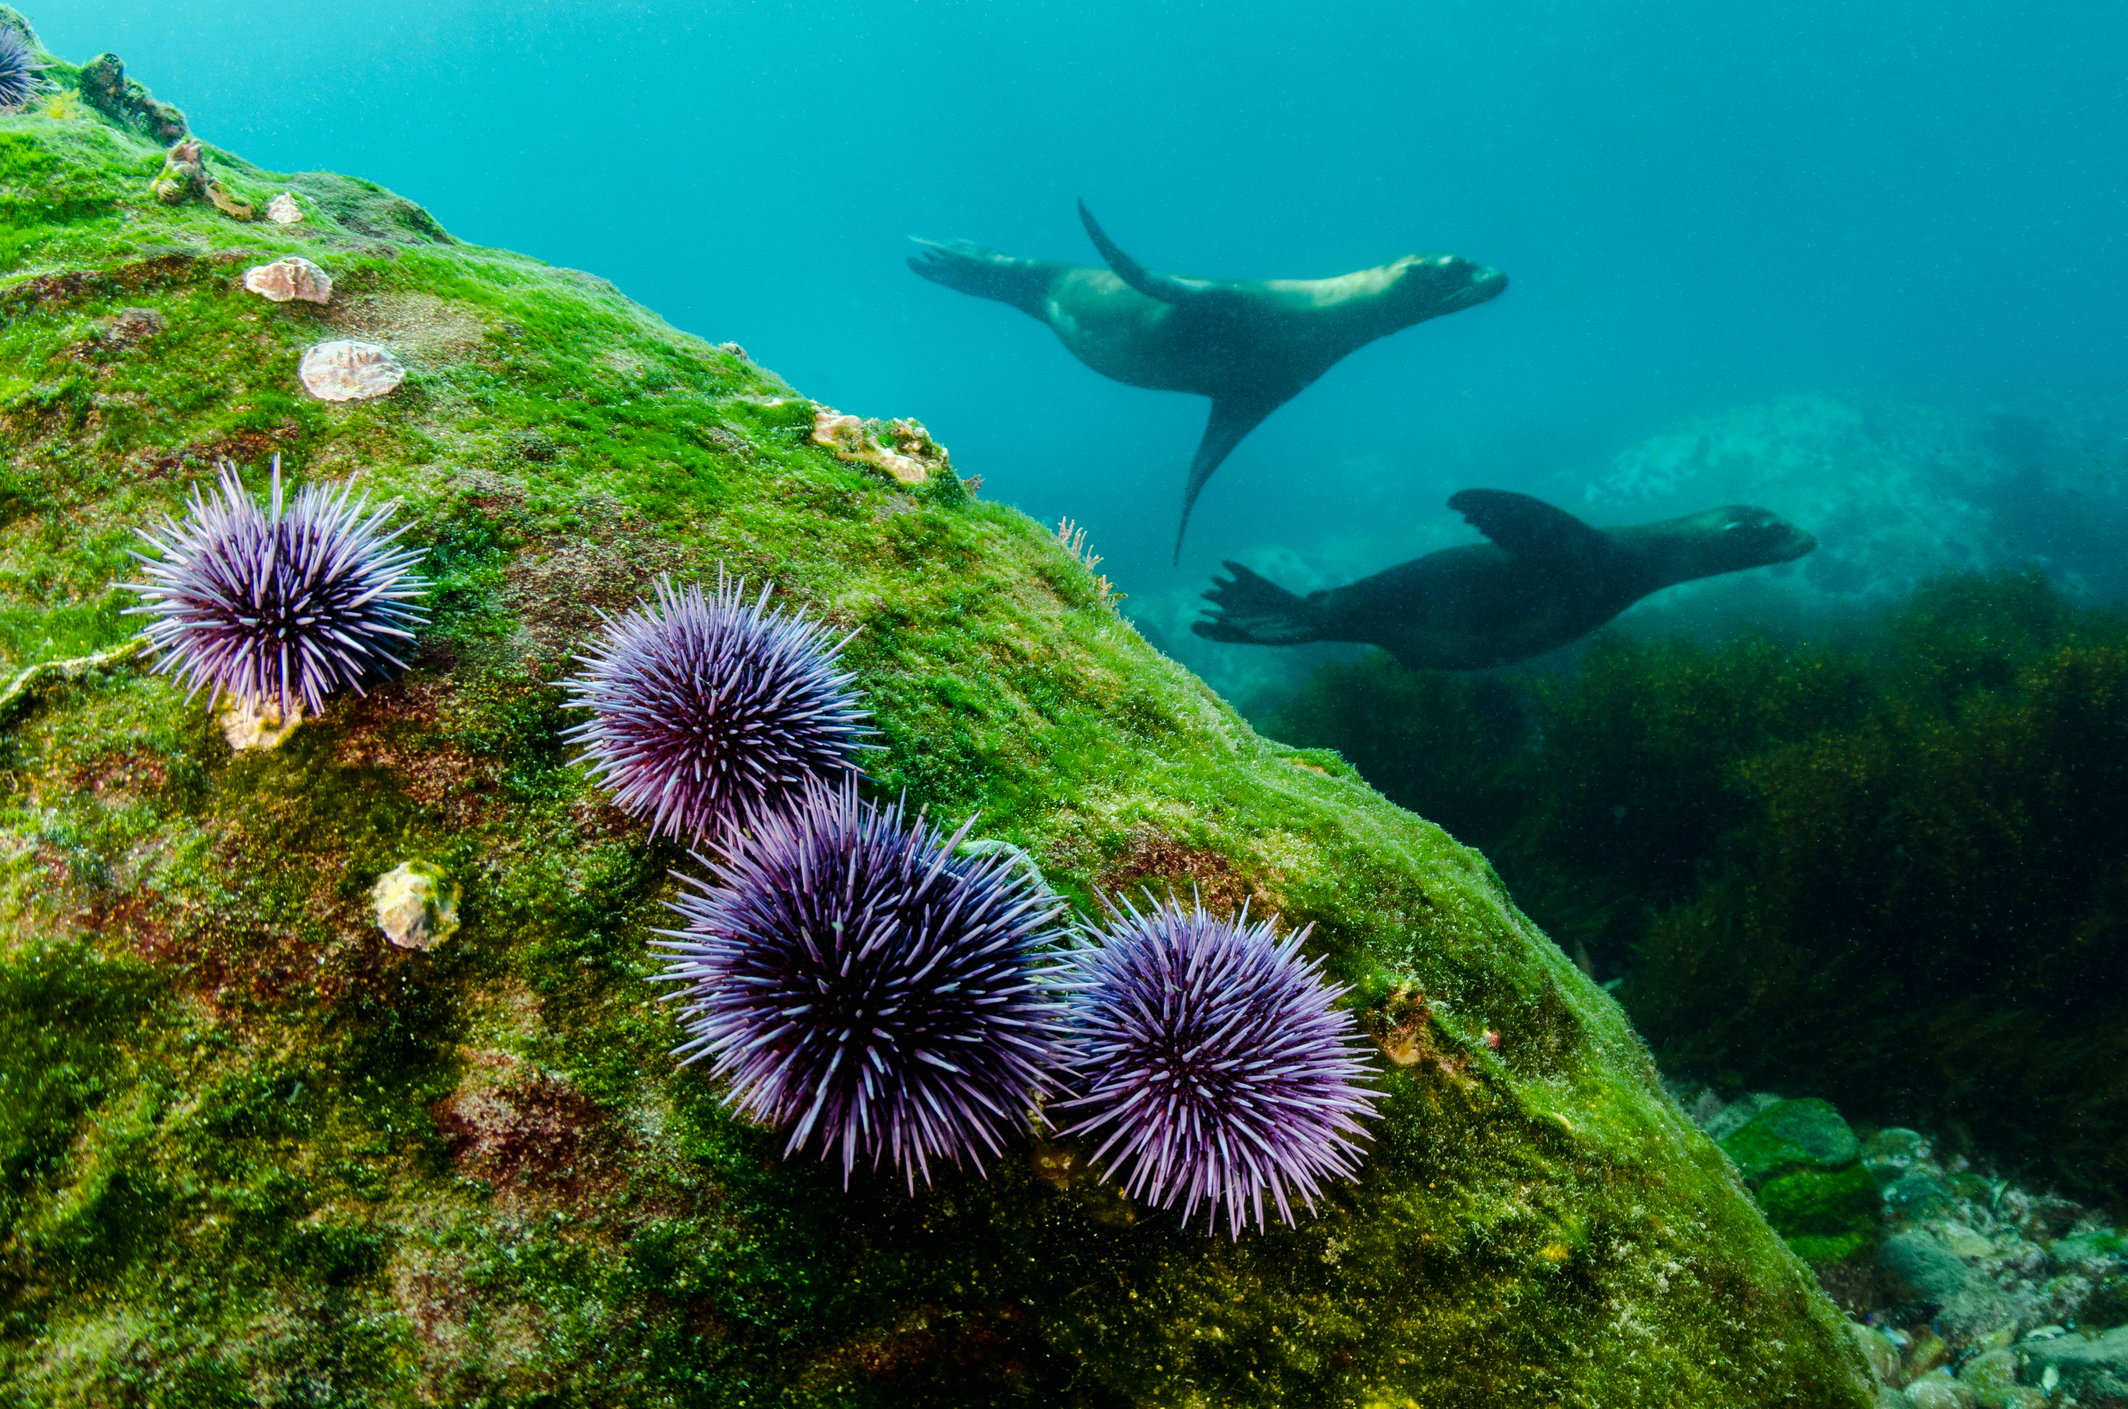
[1251, 347]
[1544, 580]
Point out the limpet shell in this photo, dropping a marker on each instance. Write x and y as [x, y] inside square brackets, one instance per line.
[293, 277]
[345, 370]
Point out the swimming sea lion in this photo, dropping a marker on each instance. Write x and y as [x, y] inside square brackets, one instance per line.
[1545, 579]
[1251, 347]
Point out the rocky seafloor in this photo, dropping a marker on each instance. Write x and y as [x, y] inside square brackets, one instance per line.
[254, 1151]
[1964, 1288]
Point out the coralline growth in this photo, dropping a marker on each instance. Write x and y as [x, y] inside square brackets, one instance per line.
[861, 987]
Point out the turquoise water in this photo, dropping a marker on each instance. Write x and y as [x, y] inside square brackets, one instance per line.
[1702, 207]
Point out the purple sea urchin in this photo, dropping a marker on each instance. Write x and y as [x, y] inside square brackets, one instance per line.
[20, 70]
[708, 709]
[865, 989]
[285, 604]
[1214, 1062]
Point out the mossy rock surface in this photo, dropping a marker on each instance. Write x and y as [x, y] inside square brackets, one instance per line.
[1826, 1215]
[251, 1152]
[1803, 1134]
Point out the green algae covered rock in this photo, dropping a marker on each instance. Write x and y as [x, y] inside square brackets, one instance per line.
[1804, 1134]
[1826, 1215]
[251, 1151]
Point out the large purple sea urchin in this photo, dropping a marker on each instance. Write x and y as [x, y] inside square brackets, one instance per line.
[284, 604]
[863, 988]
[708, 709]
[20, 70]
[1214, 1063]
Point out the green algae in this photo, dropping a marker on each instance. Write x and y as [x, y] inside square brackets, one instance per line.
[262, 1156]
[1826, 1215]
[1883, 866]
[1792, 1135]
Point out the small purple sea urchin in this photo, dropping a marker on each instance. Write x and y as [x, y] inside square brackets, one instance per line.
[284, 604]
[860, 986]
[20, 70]
[1214, 1061]
[709, 709]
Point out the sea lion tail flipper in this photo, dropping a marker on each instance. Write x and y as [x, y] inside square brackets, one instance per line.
[1165, 287]
[1530, 528]
[1256, 611]
[1232, 418]
[986, 273]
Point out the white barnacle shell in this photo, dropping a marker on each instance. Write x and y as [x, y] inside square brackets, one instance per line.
[283, 209]
[262, 727]
[344, 370]
[416, 905]
[293, 277]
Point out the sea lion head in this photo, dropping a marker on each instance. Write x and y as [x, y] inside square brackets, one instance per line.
[1429, 285]
[1745, 536]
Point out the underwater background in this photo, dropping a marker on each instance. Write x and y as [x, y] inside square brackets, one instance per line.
[1864, 265]
[1845, 839]
[1852, 827]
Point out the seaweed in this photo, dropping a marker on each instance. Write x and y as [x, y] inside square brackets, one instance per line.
[1885, 866]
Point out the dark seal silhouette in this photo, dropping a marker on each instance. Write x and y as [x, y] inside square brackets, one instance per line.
[1251, 347]
[1545, 579]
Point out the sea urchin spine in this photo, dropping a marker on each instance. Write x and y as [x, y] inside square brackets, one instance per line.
[708, 709]
[860, 986]
[1215, 1063]
[20, 70]
[285, 604]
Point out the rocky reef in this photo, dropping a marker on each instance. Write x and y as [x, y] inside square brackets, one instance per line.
[257, 1145]
[1968, 1289]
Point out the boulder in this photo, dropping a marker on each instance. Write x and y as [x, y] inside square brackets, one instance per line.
[2098, 1252]
[2088, 1368]
[1802, 1134]
[1938, 1390]
[258, 1150]
[1826, 1215]
[1918, 1266]
[1990, 1375]
[1891, 1152]
[1919, 1195]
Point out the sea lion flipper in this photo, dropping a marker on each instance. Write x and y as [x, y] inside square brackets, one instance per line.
[1232, 418]
[1255, 611]
[1165, 287]
[985, 272]
[1530, 528]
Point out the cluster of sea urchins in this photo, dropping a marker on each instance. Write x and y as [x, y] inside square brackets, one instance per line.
[854, 981]
[858, 985]
[277, 605]
[20, 70]
[863, 988]
[708, 710]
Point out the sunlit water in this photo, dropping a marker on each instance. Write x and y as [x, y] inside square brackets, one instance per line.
[1705, 208]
